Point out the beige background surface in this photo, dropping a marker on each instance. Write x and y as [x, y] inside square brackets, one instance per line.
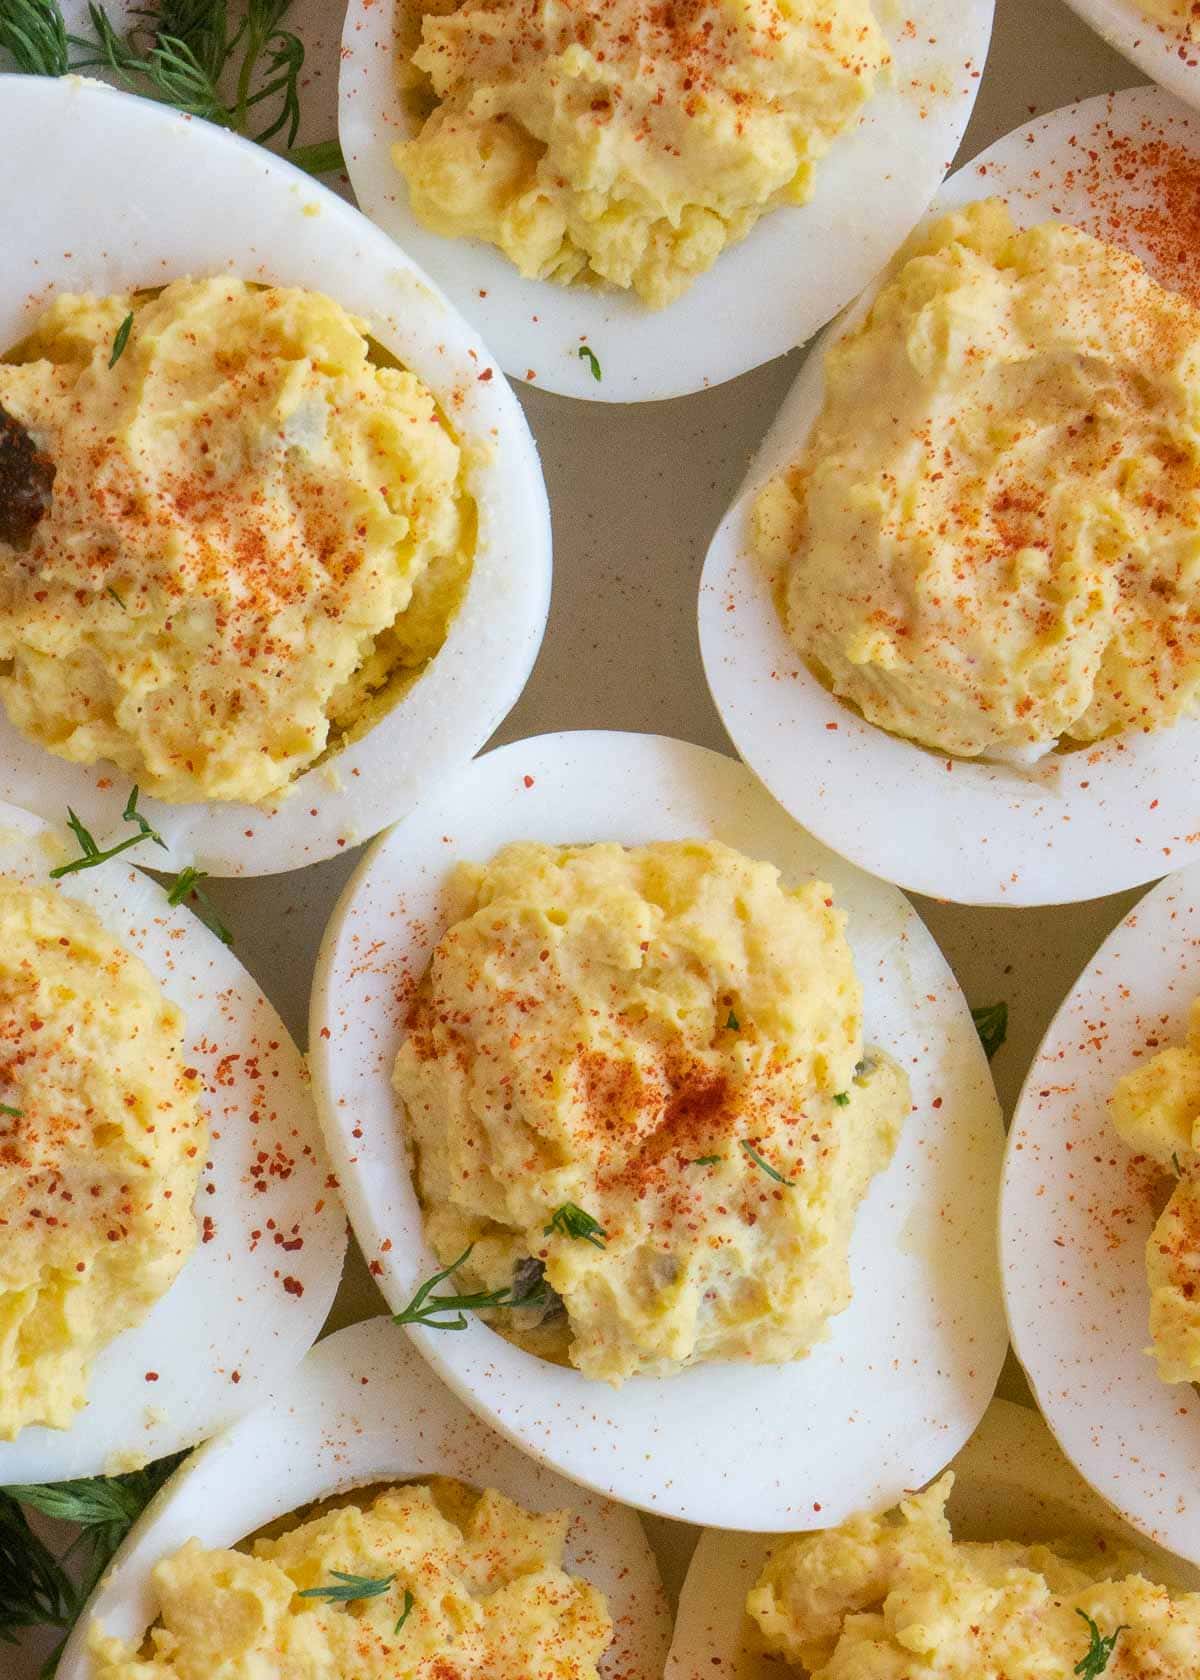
[636, 494]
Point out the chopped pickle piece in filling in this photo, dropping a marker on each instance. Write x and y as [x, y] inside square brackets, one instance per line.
[990, 542]
[896, 1597]
[453, 1583]
[627, 142]
[643, 1071]
[101, 1146]
[1156, 1109]
[249, 535]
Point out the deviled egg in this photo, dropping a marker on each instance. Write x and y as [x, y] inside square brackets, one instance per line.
[705, 1106]
[596, 185]
[1162, 37]
[1097, 1237]
[951, 631]
[1008, 1563]
[171, 1242]
[465, 1554]
[270, 499]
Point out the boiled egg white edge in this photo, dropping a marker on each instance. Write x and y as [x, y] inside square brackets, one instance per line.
[1078, 825]
[1075, 1216]
[361, 1409]
[772, 291]
[121, 207]
[1165, 54]
[908, 1368]
[252, 1296]
[1012, 1483]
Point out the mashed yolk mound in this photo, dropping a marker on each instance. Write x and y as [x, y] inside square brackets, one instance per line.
[481, 1580]
[898, 1598]
[628, 142]
[254, 536]
[990, 543]
[1183, 15]
[101, 1147]
[668, 1042]
[1156, 1109]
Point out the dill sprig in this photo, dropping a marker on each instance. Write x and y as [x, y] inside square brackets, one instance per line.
[347, 1588]
[188, 54]
[572, 1221]
[91, 854]
[1096, 1658]
[991, 1023]
[187, 885]
[766, 1166]
[36, 1587]
[429, 1309]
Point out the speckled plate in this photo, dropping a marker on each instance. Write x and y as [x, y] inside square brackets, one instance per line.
[1011, 1483]
[1078, 825]
[118, 207]
[908, 1368]
[1075, 1215]
[796, 269]
[252, 1296]
[1165, 54]
[362, 1409]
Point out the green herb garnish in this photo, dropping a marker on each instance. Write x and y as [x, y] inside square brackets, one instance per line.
[36, 1589]
[426, 1307]
[842, 1098]
[346, 1588]
[119, 343]
[733, 1024]
[109, 590]
[588, 355]
[92, 854]
[766, 1166]
[572, 1221]
[991, 1023]
[187, 884]
[17, 1113]
[409, 1601]
[706, 1160]
[1096, 1658]
[189, 54]
[1174, 1163]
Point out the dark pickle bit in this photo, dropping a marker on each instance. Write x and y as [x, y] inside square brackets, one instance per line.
[26, 480]
[530, 1289]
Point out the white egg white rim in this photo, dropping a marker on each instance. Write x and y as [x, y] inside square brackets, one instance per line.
[748, 308]
[242, 1312]
[1165, 54]
[908, 1368]
[1078, 826]
[263, 220]
[1074, 1226]
[362, 1408]
[1011, 1483]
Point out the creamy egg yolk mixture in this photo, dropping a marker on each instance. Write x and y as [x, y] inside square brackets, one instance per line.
[897, 1598]
[255, 535]
[1156, 1109]
[101, 1147]
[638, 1077]
[1177, 14]
[476, 1589]
[990, 542]
[627, 142]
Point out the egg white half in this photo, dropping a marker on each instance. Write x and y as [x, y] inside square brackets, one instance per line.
[115, 192]
[908, 1368]
[1165, 54]
[796, 269]
[1012, 1483]
[252, 1296]
[363, 1408]
[1075, 825]
[1075, 1215]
